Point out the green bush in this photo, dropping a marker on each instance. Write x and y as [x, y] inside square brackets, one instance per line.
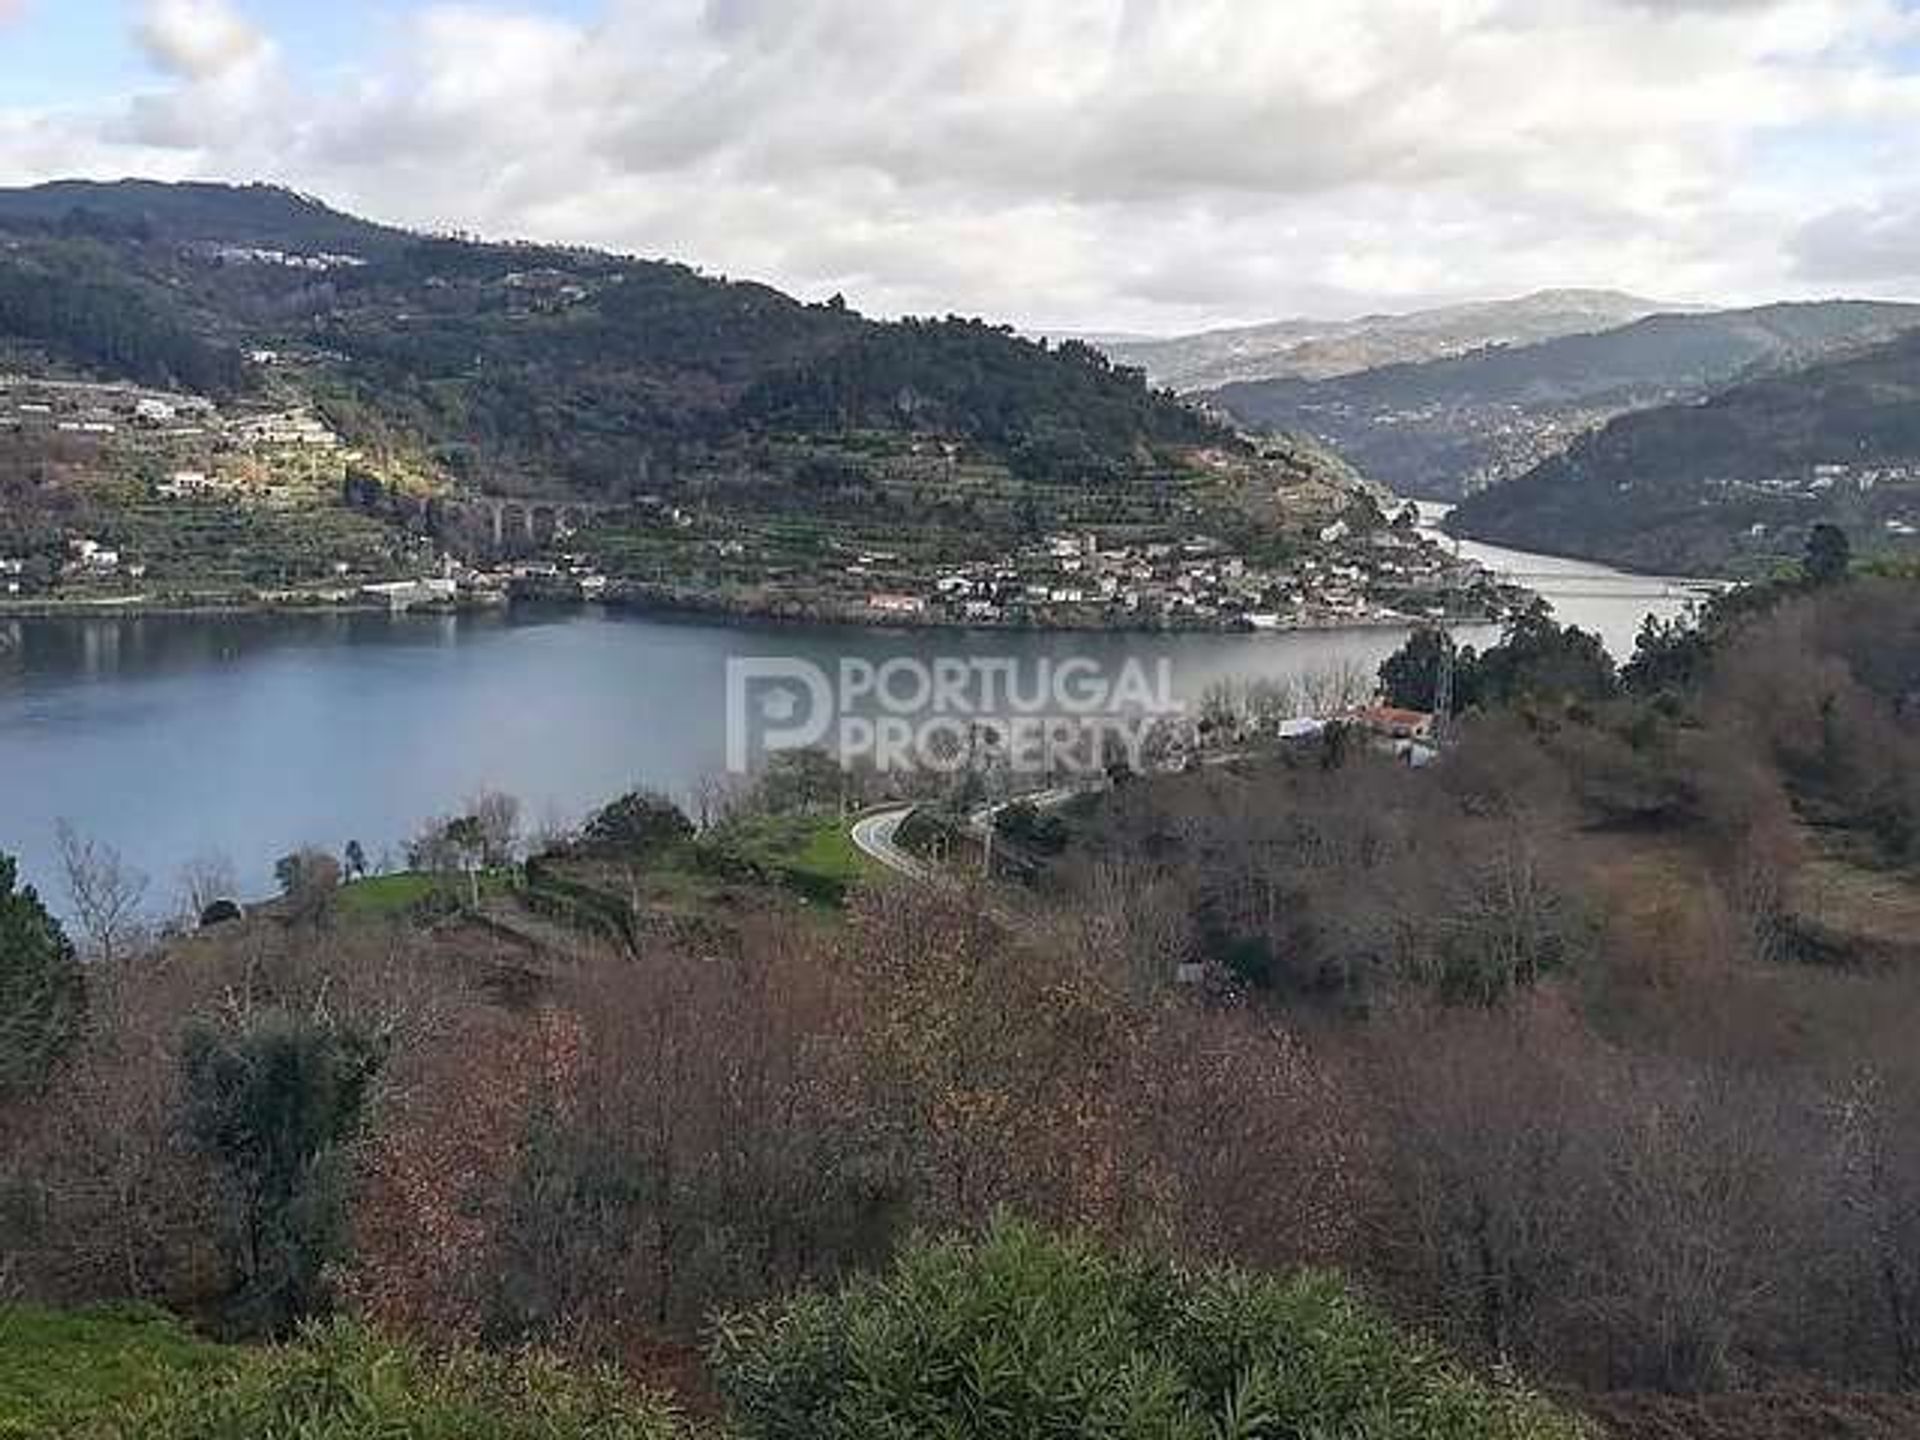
[274, 1102]
[640, 823]
[342, 1383]
[1025, 1335]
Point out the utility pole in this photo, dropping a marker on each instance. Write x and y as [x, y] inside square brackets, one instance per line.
[1443, 690]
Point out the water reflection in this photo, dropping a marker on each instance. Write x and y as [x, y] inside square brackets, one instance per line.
[248, 735]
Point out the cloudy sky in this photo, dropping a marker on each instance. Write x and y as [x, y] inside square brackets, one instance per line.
[1150, 165]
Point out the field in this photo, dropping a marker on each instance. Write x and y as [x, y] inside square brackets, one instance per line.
[380, 896]
[811, 855]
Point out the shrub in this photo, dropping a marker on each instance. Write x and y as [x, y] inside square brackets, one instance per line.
[709, 1144]
[1022, 1334]
[342, 1383]
[274, 1104]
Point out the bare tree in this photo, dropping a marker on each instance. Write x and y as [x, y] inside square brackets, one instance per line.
[497, 817]
[108, 894]
[205, 879]
[310, 882]
[1332, 689]
[714, 799]
[1131, 922]
[703, 1148]
[552, 831]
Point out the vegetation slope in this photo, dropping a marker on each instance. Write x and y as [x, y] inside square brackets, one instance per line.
[1735, 482]
[1447, 427]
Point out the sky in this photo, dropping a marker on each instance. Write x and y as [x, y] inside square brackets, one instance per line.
[1150, 166]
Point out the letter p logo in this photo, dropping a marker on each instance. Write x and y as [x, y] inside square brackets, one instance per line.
[774, 703]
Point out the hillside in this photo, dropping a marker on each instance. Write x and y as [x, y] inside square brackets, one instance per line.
[239, 215]
[1445, 428]
[531, 367]
[1733, 483]
[1318, 349]
[241, 396]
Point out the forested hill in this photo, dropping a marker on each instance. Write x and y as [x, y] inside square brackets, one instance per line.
[1444, 428]
[74, 301]
[239, 215]
[1734, 482]
[524, 367]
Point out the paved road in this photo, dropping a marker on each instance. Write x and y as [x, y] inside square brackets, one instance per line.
[875, 837]
[981, 821]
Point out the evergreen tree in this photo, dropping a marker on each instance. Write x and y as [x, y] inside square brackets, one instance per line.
[43, 993]
[1410, 677]
[274, 1104]
[1829, 555]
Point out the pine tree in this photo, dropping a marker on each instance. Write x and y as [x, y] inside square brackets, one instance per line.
[43, 992]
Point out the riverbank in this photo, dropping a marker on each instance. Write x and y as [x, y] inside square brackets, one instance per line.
[643, 601]
[648, 601]
[1436, 523]
[188, 607]
[1709, 583]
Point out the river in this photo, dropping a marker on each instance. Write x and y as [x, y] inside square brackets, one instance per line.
[245, 736]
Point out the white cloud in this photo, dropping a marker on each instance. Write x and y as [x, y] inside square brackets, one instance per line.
[1109, 163]
[198, 40]
[1863, 245]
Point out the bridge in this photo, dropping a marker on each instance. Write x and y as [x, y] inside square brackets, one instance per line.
[504, 525]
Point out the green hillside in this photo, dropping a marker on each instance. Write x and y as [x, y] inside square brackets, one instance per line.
[521, 368]
[1735, 482]
[1448, 427]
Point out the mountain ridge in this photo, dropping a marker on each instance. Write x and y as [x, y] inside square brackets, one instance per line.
[676, 356]
[380, 395]
[1441, 429]
[1735, 482]
[1309, 348]
[196, 210]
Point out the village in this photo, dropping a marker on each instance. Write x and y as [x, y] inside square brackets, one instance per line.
[150, 491]
[244, 504]
[1345, 577]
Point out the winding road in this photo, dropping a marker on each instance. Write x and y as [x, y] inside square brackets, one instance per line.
[874, 835]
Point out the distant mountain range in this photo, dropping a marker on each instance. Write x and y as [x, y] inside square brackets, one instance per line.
[1445, 428]
[1733, 483]
[1317, 349]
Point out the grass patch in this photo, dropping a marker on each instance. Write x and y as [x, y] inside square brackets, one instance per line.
[391, 896]
[134, 1373]
[341, 1382]
[1853, 909]
[812, 855]
[64, 1373]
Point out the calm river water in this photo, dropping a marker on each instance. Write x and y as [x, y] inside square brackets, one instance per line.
[246, 736]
